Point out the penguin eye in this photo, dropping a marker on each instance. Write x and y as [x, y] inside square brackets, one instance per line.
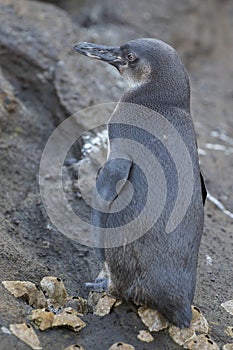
[131, 57]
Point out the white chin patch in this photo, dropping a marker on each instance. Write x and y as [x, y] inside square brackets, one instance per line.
[133, 83]
[133, 80]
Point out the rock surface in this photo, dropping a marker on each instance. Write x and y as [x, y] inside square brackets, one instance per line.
[42, 81]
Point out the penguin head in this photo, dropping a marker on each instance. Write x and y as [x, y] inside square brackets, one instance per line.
[141, 61]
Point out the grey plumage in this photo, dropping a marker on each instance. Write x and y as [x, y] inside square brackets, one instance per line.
[159, 268]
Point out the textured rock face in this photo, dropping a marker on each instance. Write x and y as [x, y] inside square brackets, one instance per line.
[188, 25]
[42, 81]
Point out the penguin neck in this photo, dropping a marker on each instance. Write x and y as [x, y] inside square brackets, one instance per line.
[159, 94]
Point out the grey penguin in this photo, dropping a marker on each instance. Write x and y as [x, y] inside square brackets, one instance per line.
[159, 268]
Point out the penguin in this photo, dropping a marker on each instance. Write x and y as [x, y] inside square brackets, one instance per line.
[158, 268]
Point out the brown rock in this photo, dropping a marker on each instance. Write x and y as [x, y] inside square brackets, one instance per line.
[28, 291]
[203, 342]
[74, 347]
[228, 347]
[121, 346]
[68, 318]
[55, 291]
[42, 319]
[104, 305]
[26, 334]
[229, 331]
[181, 336]
[198, 322]
[152, 319]
[145, 336]
[228, 306]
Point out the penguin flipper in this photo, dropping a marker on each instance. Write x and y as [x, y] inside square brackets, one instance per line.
[203, 189]
[109, 186]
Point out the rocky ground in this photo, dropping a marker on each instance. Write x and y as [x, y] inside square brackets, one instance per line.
[42, 81]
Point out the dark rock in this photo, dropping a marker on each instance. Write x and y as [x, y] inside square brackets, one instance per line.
[188, 25]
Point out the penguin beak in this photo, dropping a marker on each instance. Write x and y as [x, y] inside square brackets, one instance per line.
[109, 54]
